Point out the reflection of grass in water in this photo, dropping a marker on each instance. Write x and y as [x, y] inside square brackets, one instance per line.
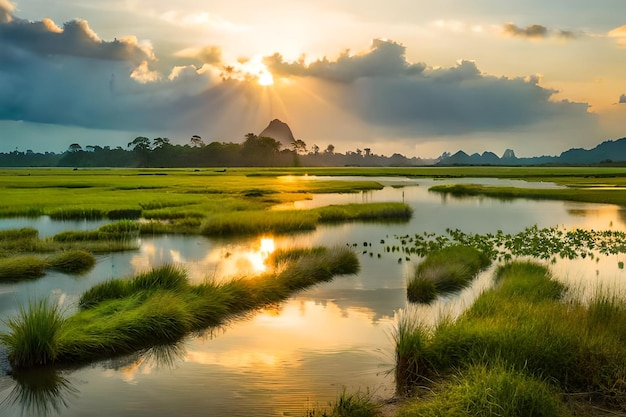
[160, 306]
[524, 326]
[40, 393]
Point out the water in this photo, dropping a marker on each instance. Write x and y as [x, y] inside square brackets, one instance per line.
[287, 359]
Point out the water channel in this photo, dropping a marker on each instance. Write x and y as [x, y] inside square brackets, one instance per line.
[284, 360]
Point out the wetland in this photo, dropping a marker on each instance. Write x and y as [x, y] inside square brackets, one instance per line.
[287, 355]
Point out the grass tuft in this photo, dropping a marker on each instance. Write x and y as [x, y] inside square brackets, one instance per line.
[20, 268]
[72, 261]
[33, 336]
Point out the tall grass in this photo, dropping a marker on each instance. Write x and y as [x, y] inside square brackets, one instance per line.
[77, 213]
[370, 211]
[16, 234]
[523, 324]
[159, 306]
[34, 335]
[254, 222]
[121, 230]
[20, 268]
[72, 261]
[446, 270]
[357, 404]
[483, 391]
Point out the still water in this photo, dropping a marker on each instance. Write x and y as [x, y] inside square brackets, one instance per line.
[293, 357]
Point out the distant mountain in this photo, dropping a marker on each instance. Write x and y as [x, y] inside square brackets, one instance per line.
[280, 131]
[606, 152]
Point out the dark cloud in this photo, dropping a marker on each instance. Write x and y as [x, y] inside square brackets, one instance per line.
[75, 38]
[622, 99]
[536, 31]
[443, 101]
[384, 59]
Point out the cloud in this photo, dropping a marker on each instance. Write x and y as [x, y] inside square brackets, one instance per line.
[536, 32]
[620, 35]
[622, 99]
[207, 55]
[383, 89]
[75, 38]
[6, 11]
[385, 58]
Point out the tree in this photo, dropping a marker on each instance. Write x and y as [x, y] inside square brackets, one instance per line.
[298, 146]
[74, 147]
[140, 144]
[160, 142]
[330, 149]
[196, 141]
[316, 149]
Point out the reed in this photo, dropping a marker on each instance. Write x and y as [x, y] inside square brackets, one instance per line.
[370, 211]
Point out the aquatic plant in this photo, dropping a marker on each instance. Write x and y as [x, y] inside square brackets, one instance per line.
[72, 261]
[523, 324]
[347, 404]
[34, 334]
[445, 270]
[483, 391]
[158, 306]
[19, 268]
[77, 213]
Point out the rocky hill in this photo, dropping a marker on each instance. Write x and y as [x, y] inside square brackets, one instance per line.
[280, 131]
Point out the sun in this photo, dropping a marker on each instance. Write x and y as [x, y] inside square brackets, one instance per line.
[265, 78]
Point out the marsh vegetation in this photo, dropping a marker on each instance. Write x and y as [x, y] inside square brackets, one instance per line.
[192, 225]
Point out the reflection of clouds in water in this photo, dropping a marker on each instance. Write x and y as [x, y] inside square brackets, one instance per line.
[278, 338]
[216, 262]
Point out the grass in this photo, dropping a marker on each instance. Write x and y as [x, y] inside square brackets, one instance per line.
[72, 262]
[123, 316]
[33, 335]
[524, 326]
[483, 391]
[287, 221]
[370, 211]
[121, 230]
[443, 271]
[588, 195]
[27, 267]
[21, 268]
[357, 404]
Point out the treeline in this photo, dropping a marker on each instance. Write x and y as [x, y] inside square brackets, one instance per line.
[159, 152]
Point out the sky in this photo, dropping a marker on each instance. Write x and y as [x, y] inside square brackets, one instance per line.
[403, 76]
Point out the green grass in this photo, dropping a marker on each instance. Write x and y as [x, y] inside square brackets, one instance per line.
[588, 195]
[370, 211]
[524, 325]
[483, 391]
[287, 221]
[160, 306]
[255, 222]
[357, 404]
[443, 271]
[72, 262]
[33, 336]
[21, 268]
[121, 230]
